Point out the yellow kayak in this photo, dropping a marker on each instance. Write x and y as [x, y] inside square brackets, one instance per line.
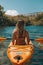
[19, 54]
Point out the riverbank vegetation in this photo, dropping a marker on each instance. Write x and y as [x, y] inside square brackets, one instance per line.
[30, 19]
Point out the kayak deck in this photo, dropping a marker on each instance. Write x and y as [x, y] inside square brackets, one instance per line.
[19, 54]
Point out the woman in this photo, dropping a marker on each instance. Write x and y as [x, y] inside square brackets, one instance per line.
[20, 35]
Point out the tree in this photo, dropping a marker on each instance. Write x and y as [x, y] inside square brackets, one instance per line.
[1, 14]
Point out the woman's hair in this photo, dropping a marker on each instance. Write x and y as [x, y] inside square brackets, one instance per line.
[20, 23]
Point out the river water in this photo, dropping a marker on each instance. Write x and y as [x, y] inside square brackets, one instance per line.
[34, 32]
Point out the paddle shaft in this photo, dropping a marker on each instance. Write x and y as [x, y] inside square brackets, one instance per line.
[37, 39]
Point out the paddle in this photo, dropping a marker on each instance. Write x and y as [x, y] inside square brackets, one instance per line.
[2, 38]
[40, 43]
[39, 40]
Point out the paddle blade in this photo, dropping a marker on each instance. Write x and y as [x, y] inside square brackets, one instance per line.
[39, 40]
[2, 38]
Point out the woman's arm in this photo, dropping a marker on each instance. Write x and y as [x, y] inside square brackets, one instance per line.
[27, 40]
[13, 39]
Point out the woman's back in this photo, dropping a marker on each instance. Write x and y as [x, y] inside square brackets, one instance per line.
[20, 38]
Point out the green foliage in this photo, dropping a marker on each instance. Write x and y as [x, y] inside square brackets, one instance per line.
[33, 19]
[39, 17]
[1, 8]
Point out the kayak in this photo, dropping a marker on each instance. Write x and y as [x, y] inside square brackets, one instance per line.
[39, 42]
[19, 54]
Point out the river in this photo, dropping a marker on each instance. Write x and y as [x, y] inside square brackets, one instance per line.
[34, 32]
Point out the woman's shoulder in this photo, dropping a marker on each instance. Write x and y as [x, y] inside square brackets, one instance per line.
[25, 31]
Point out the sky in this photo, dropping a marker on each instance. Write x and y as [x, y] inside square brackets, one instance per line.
[23, 6]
